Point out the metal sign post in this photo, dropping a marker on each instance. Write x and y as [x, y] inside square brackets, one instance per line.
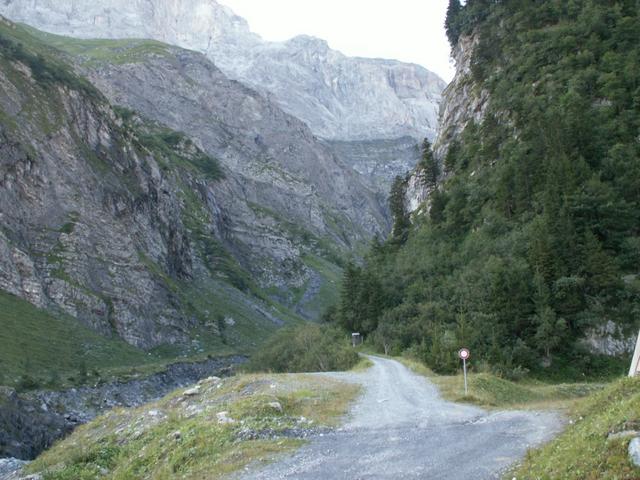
[464, 355]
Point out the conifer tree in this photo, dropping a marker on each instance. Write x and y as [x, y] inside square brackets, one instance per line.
[452, 22]
[429, 165]
[549, 328]
[401, 221]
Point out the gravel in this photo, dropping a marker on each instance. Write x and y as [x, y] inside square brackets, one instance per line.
[401, 428]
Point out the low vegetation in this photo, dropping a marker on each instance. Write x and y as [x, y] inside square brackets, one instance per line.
[492, 391]
[41, 349]
[585, 451]
[306, 348]
[207, 431]
[18, 46]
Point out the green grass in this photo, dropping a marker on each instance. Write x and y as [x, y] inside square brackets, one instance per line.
[329, 292]
[52, 348]
[180, 437]
[41, 349]
[583, 451]
[97, 51]
[47, 68]
[363, 364]
[211, 298]
[491, 391]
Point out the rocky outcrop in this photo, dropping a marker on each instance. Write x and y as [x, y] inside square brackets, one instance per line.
[417, 193]
[279, 173]
[27, 427]
[462, 102]
[337, 96]
[380, 161]
[30, 423]
[634, 451]
[609, 339]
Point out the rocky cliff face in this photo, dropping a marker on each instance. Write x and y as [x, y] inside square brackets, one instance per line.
[107, 222]
[462, 103]
[337, 96]
[462, 100]
[380, 161]
[279, 175]
[82, 211]
[114, 217]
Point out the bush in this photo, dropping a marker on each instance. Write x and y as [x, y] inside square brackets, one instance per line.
[305, 348]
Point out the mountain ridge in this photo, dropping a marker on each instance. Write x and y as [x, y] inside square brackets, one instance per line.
[331, 84]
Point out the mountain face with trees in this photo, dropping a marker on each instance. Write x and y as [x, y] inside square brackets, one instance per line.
[528, 248]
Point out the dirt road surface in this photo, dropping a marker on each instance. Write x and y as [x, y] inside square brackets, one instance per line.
[400, 428]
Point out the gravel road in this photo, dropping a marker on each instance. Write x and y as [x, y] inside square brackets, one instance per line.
[400, 428]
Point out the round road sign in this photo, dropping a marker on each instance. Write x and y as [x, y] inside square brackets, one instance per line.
[464, 354]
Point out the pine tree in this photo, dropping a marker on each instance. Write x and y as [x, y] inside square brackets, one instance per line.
[401, 221]
[429, 165]
[549, 328]
[349, 298]
[452, 22]
[549, 331]
[438, 205]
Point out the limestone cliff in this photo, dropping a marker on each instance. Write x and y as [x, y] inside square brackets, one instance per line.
[463, 101]
[337, 96]
[280, 176]
[116, 221]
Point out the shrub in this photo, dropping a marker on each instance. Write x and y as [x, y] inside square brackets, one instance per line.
[305, 348]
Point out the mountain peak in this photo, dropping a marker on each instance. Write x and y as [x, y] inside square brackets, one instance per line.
[308, 41]
[339, 97]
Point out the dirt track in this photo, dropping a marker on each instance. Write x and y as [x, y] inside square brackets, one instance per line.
[400, 428]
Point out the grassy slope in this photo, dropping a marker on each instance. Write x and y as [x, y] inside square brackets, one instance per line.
[489, 390]
[329, 292]
[95, 51]
[583, 451]
[56, 346]
[180, 436]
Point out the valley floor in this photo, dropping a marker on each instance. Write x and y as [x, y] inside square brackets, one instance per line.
[401, 428]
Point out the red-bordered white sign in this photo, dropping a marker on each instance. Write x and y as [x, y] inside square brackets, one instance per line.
[464, 354]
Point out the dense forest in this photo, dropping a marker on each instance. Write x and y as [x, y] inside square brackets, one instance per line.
[532, 236]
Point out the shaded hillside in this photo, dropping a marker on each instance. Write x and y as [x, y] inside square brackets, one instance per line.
[107, 219]
[286, 195]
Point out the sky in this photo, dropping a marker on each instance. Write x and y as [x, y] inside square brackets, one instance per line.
[406, 30]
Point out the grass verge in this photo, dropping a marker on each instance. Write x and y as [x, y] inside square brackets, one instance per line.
[363, 364]
[181, 435]
[491, 391]
[584, 451]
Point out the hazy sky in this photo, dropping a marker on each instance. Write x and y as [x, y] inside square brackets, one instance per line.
[407, 30]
